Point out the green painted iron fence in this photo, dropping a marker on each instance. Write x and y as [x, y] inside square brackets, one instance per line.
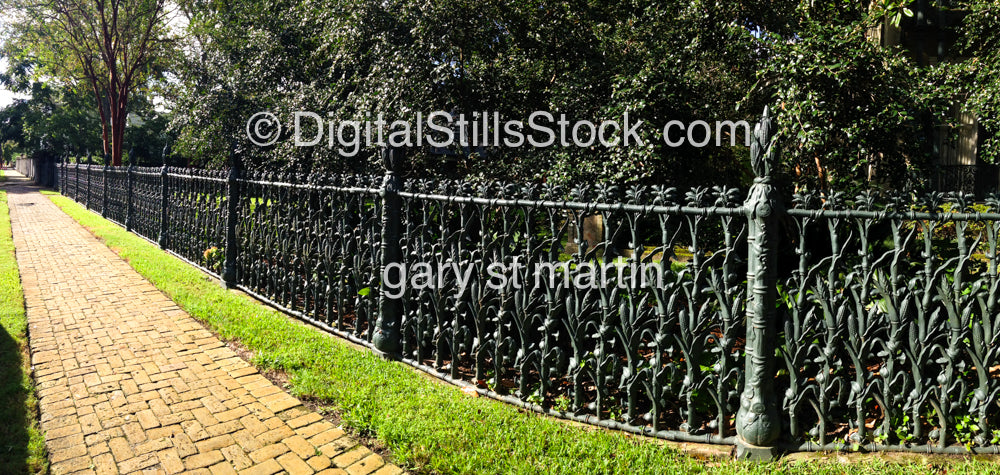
[812, 321]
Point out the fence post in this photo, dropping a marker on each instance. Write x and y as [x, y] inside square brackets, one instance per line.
[757, 421]
[104, 182]
[50, 170]
[162, 240]
[387, 337]
[53, 171]
[76, 188]
[130, 180]
[232, 202]
[57, 172]
[90, 164]
[62, 175]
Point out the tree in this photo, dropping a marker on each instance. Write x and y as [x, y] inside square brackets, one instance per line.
[61, 118]
[241, 58]
[12, 126]
[357, 59]
[107, 46]
[848, 109]
[852, 113]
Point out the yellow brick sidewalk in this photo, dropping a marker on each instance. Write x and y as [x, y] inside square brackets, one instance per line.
[128, 382]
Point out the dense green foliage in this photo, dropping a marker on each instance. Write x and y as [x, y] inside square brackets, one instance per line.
[62, 121]
[852, 113]
[590, 60]
[57, 117]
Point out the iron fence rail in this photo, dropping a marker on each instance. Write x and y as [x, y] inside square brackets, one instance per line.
[870, 323]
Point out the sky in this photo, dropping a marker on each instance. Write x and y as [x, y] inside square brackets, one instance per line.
[6, 97]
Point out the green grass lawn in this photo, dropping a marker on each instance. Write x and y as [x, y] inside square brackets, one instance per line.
[22, 447]
[427, 425]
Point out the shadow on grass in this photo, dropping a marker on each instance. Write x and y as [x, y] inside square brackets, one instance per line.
[14, 419]
[22, 447]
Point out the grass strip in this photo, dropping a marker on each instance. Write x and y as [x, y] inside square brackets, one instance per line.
[430, 426]
[22, 446]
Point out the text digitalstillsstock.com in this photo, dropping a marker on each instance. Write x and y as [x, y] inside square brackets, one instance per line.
[484, 129]
[400, 277]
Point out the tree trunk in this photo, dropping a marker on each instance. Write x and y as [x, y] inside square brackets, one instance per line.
[115, 142]
[101, 111]
[119, 120]
[117, 136]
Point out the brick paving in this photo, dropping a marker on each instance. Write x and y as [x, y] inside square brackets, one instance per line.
[128, 382]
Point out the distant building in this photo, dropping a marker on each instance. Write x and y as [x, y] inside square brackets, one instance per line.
[929, 36]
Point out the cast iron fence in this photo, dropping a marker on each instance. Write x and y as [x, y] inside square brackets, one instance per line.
[865, 323]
